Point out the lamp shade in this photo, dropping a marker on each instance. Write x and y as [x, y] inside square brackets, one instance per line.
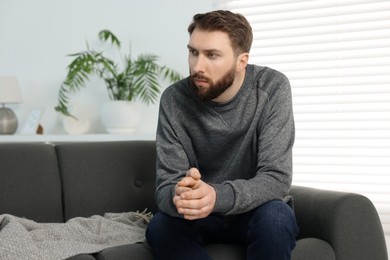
[9, 90]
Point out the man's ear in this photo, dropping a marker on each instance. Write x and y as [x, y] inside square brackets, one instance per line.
[242, 61]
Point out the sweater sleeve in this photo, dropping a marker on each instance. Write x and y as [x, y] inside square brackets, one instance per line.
[172, 160]
[275, 139]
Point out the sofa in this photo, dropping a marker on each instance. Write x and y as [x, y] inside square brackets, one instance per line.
[54, 182]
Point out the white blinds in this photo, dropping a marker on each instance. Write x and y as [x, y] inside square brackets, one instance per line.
[336, 54]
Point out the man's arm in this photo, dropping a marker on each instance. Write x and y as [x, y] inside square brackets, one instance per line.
[274, 157]
[173, 161]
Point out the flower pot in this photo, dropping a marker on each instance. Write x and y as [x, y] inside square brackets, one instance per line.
[121, 117]
[76, 126]
[79, 125]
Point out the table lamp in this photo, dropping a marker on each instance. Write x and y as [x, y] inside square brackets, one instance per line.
[9, 93]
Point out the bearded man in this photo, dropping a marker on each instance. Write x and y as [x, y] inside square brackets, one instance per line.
[224, 150]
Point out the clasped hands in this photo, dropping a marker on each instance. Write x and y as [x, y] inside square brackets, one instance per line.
[194, 199]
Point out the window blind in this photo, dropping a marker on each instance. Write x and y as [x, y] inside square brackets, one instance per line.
[336, 54]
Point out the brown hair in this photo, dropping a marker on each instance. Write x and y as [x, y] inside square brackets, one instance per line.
[235, 25]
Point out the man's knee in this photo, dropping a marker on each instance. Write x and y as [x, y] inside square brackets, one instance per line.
[164, 228]
[276, 219]
[174, 238]
[158, 227]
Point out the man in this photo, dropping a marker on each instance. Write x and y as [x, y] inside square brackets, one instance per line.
[224, 146]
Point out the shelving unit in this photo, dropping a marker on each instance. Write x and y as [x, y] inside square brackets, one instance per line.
[74, 138]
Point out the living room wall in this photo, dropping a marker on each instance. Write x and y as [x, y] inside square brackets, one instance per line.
[37, 36]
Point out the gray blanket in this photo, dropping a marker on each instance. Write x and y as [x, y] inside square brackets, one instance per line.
[21, 238]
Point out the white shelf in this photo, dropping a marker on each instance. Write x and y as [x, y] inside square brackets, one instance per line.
[74, 138]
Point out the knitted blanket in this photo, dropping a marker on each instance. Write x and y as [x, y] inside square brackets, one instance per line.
[21, 238]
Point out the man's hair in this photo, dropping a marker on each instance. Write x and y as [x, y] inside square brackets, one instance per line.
[235, 25]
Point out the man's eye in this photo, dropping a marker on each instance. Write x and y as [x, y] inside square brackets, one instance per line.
[212, 55]
[193, 52]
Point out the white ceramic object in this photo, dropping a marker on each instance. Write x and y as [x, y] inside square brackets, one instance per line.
[76, 126]
[121, 117]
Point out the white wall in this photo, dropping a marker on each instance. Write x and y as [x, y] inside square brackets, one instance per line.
[36, 36]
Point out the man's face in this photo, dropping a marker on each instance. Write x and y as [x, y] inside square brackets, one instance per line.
[212, 63]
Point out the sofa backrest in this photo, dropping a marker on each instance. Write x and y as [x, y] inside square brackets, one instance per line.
[30, 184]
[100, 177]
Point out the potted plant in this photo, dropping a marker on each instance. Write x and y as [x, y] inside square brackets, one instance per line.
[134, 79]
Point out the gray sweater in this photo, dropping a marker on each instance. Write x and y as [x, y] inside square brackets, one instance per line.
[243, 147]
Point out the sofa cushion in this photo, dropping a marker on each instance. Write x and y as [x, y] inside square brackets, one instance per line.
[308, 248]
[143, 252]
[313, 248]
[226, 251]
[101, 177]
[30, 183]
[136, 251]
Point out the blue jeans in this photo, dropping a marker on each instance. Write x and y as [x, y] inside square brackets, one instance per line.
[268, 232]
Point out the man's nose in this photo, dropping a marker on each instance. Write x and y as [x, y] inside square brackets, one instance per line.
[199, 65]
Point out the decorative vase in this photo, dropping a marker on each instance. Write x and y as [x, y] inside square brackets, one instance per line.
[120, 116]
[76, 126]
[79, 125]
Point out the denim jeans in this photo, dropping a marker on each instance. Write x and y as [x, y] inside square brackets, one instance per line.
[268, 232]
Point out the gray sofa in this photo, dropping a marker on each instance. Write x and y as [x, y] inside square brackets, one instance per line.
[56, 182]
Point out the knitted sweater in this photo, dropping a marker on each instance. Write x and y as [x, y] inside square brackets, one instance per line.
[242, 147]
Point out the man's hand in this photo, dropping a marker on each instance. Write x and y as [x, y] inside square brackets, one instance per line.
[193, 197]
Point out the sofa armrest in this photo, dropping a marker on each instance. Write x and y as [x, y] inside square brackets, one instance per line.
[349, 222]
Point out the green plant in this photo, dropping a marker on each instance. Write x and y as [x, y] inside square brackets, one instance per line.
[134, 79]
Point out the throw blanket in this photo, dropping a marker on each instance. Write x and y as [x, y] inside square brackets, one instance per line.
[21, 238]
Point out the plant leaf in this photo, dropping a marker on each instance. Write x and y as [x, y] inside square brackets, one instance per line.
[105, 35]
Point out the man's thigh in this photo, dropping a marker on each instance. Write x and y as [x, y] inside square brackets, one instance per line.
[205, 230]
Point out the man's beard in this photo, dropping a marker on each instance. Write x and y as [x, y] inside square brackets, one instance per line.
[215, 88]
